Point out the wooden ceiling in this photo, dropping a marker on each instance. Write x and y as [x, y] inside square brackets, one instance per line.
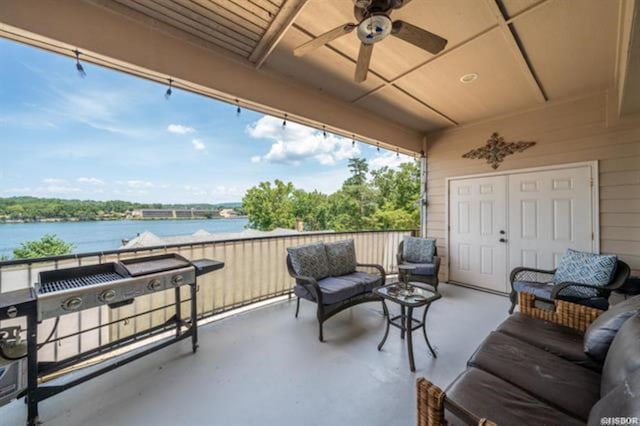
[526, 52]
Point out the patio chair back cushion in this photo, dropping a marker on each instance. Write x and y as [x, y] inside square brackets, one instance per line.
[309, 260]
[584, 268]
[623, 357]
[600, 334]
[341, 257]
[418, 250]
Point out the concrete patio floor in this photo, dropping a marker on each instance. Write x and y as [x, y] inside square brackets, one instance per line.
[264, 367]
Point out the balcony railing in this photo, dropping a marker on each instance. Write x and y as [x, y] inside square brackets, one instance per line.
[255, 270]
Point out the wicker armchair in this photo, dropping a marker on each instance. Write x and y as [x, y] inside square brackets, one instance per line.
[541, 277]
[431, 279]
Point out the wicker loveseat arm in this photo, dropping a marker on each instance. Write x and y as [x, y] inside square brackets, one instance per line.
[523, 273]
[431, 407]
[310, 284]
[375, 266]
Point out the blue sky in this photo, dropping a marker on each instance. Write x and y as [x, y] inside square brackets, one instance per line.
[114, 136]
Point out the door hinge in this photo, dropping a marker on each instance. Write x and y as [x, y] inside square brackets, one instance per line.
[593, 237]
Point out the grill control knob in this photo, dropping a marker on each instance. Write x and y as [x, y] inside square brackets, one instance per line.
[72, 304]
[107, 295]
[154, 285]
[177, 279]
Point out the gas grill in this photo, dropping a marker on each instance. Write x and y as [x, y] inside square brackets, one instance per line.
[116, 284]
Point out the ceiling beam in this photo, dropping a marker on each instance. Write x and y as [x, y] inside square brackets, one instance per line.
[143, 48]
[287, 14]
[517, 50]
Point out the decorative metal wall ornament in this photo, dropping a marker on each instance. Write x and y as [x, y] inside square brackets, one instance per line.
[497, 149]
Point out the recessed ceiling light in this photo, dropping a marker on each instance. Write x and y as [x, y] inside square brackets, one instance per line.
[469, 78]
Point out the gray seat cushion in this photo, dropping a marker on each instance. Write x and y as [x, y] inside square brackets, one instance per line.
[309, 260]
[561, 341]
[333, 290]
[423, 269]
[487, 396]
[365, 280]
[601, 332]
[541, 290]
[622, 402]
[623, 357]
[569, 388]
[341, 257]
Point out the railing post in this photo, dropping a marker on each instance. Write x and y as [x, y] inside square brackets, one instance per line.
[423, 195]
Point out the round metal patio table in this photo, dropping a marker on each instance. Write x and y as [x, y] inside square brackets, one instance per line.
[409, 296]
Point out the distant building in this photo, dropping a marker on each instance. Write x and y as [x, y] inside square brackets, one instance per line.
[173, 213]
[228, 213]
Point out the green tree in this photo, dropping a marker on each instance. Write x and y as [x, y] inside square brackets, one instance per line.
[48, 245]
[312, 208]
[269, 207]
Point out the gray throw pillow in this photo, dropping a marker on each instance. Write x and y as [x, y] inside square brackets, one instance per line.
[309, 260]
[621, 402]
[418, 250]
[601, 332]
[341, 257]
[623, 357]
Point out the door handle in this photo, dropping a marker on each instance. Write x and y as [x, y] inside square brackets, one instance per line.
[502, 232]
[503, 240]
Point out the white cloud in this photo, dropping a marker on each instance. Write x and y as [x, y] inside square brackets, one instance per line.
[90, 181]
[54, 181]
[198, 145]
[296, 143]
[179, 129]
[136, 184]
[389, 159]
[57, 189]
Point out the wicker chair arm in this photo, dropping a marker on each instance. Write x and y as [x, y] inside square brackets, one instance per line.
[378, 267]
[310, 284]
[555, 292]
[436, 263]
[431, 407]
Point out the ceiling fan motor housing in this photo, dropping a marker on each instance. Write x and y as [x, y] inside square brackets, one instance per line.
[374, 28]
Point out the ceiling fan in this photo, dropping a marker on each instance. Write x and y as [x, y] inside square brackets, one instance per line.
[374, 24]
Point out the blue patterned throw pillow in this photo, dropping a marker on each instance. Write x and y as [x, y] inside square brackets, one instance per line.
[584, 268]
[418, 250]
[341, 256]
[309, 260]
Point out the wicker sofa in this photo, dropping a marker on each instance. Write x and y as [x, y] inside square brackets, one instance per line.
[338, 287]
[533, 370]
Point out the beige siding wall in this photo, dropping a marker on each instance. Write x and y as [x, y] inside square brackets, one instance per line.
[578, 130]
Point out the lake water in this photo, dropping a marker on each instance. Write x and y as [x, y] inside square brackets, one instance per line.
[108, 234]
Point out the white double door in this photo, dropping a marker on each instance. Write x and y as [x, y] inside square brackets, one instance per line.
[497, 223]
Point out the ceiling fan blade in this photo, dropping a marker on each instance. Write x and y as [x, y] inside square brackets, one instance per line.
[400, 3]
[423, 39]
[364, 57]
[323, 39]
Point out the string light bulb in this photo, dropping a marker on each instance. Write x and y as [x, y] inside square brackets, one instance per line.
[238, 109]
[79, 67]
[167, 94]
[397, 153]
[353, 140]
[324, 131]
[284, 122]
[378, 147]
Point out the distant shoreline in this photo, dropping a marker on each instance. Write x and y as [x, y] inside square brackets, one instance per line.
[148, 219]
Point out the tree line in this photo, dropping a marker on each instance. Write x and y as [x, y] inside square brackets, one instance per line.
[33, 208]
[368, 200]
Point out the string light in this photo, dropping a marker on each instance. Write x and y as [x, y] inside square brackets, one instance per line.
[167, 94]
[397, 153]
[378, 147]
[238, 110]
[353, 140]
[79, 66]
[324, 131]
[284, 122]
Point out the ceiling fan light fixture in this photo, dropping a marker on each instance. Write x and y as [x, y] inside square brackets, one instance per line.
[469, 78]
[374, 28]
